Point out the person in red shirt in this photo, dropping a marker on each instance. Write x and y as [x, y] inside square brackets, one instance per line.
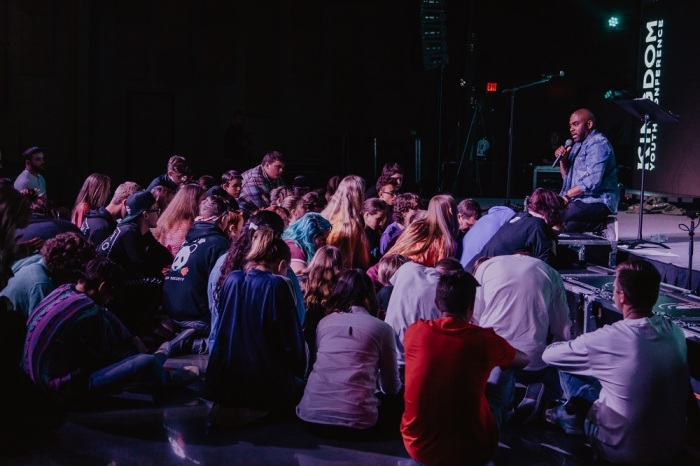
[455, 388]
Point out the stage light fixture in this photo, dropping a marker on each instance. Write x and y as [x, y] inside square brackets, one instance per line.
[614, 95]
[614, 22]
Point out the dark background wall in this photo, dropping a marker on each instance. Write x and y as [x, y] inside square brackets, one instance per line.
[117, 86]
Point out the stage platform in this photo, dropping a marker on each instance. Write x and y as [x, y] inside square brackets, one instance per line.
[672, 262]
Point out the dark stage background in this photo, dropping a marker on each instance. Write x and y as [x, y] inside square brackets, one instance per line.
[338, 86]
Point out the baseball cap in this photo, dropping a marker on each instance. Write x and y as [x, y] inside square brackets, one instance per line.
[138, 203]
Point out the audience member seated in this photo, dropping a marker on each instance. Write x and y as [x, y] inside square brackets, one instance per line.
[174, 223]
[478, 235]
[258, 359]
[413, 297]
[60, 261]
[318, 281]
[387, 190]
[429, 240]
[178, 172]
[144, 260]
[531, 232]
[468, 212]
[30, 414]
[42, 224]
[14, 213]
[404, 209]
[304, 237]
[163, 196]
[300, 185]
[388, 265]
[206, 181]
[314, 201]
[332, 186]
[455, 382]
[93, 195]
[524, 301]
[234, 259]
[31, 177]
[391, 169]
[356, 357]
[278, 195]
[344, 211]
[99, 223]
[260, 180]
[78, 350]
[232, 183]
[185, 287]
[374, 213]
[627, 384]
[295, 206]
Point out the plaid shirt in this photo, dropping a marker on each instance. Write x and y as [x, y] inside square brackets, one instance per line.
[256, 184]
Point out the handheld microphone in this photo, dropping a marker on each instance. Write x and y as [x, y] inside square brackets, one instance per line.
[560, 74]
[567, 147]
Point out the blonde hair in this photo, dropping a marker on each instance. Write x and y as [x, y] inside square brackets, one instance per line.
[183, 206]
[344, 211]
[266, 249]
[429, 240]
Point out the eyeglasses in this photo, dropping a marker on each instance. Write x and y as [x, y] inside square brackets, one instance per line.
[154, 210]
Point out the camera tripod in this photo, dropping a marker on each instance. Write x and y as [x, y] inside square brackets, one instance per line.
[477, 115]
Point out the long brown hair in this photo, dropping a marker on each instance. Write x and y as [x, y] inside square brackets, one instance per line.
[95, 193]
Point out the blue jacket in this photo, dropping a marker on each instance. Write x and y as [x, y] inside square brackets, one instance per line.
[259, 355]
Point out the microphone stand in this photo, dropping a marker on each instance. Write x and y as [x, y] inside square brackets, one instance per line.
[512, 92]
[691, 233]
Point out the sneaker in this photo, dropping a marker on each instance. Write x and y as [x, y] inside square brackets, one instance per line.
[569, 423]
[529, 406]
[183, 376]
[177, 344]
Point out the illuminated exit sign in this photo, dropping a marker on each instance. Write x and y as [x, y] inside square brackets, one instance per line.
[491, 87]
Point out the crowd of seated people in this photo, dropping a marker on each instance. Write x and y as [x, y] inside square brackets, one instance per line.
[355, 308]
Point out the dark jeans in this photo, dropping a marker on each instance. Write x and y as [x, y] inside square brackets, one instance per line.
[584, 216]
[141, 368]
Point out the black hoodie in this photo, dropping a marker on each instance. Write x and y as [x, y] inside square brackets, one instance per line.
[185, 287]
[98, 225]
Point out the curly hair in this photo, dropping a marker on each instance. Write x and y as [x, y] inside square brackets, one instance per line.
[65, 256]
[403, 204]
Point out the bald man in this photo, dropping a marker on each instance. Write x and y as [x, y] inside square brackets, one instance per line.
[589, 169]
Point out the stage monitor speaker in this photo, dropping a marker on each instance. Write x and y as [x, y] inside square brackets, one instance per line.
[548, 177]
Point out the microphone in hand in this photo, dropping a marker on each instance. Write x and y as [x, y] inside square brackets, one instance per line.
[567, 149]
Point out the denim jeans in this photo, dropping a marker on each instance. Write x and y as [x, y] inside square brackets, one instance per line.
[500, 389]
[579, 386]
[145, 368]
